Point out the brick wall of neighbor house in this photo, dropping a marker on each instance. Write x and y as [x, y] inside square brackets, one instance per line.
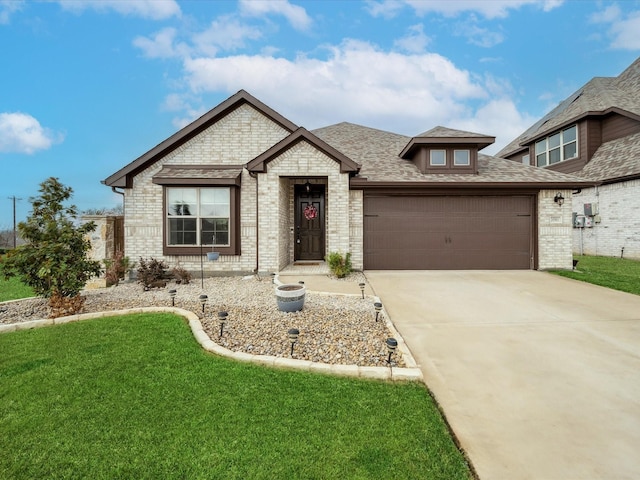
[619, 225]
[554, 231]
[356, 222]
[301, 160]
[234, 140]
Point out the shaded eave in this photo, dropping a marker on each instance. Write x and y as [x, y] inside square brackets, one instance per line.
[359, 183]
[123, 177]
[259, 164]
[417, 142]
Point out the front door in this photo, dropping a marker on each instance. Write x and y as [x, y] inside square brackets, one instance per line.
[309, 224]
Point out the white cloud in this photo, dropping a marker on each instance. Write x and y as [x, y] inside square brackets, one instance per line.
[160, 45]
[7, 8]
[295, 15]
[622, 30]
[500, 118]
[625, 33]
[357, 82]
[477, 35]
[225, 33]
[22, 133]
[486, 8]
[151, 9]
[415, 41]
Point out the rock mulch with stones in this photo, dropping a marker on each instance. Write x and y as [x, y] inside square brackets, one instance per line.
[334, 329]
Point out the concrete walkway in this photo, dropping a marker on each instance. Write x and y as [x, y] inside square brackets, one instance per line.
[538, 375]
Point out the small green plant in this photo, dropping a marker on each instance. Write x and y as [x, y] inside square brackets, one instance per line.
[340, 265]
[152, 273]
[181, 274]
[116, 268]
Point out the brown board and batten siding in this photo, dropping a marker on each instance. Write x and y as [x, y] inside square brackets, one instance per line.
[455, 232]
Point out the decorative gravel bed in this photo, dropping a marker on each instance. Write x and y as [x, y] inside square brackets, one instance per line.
[334, 329]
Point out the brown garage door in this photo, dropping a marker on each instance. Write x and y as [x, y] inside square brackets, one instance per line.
[448, 232]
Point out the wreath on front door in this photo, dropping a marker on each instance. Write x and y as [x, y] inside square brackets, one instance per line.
[310, 212]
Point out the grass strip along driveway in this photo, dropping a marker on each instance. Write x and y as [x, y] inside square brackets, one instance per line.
[136, 397]
[617, 273]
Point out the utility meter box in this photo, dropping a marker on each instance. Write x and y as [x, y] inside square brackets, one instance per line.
[578, 221]
[590, 209]
[588, 222]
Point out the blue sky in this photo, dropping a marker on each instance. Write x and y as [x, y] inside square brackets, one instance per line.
[88, 86]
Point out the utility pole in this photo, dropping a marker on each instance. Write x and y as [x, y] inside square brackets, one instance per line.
[14, 219]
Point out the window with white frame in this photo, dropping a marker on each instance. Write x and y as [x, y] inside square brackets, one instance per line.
[461, 157]
[558, 147]
[198, 216]
[438, 157]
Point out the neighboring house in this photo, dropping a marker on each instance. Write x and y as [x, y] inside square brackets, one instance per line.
[595, 134]
[265, 193]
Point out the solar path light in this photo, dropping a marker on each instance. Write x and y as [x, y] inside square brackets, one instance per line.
[392, 344]
[203, 301]
[293, 335]
[361, 285]
[378, 307]
[222, 318]
[172, 293]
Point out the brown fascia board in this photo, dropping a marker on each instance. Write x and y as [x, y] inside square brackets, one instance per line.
[122, 178]
[258, 164]
[625, 178]
[591, 113]
[417, 142]
[362, 183]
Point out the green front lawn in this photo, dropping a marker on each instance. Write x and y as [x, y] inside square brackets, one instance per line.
[13, 289]
[617, 273]
[136, 397]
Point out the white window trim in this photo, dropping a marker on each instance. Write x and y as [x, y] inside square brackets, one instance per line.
[455, 161]
[560, 147]
[444, 154]
[197, 217]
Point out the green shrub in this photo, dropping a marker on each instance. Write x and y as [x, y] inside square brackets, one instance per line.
[152, 273]
[340, 265]
[54, 260]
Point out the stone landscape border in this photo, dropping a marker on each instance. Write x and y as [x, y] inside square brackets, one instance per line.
[409, 373]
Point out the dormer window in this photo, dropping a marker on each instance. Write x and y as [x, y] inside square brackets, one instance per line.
[461, 158]
[438, 158]
[558, 147]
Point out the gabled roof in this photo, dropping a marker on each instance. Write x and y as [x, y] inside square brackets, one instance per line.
[122, 178]
[599, 96]
[443, 136]
[377, 153]
[258, 164]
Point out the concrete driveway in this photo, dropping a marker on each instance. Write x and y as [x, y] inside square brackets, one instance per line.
[538, 375]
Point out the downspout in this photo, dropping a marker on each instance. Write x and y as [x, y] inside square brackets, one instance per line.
[255, 176]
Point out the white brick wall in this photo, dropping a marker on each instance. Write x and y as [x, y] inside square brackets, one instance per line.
[234, 140]
[619, 226]
[554, 231]
[276, 212]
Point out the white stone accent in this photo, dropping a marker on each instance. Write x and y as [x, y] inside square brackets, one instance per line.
[554, 231]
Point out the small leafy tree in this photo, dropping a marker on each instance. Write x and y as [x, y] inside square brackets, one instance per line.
[54, 260]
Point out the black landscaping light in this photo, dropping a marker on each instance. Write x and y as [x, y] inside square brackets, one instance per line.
[361, 285]
[559, 199]
[293, 335]
[203, 301]
[222, 318]
[273, 278]
[172, 293]
[392, 344]
[378, 307]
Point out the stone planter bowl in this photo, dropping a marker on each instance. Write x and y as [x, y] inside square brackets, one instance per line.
[290, 297]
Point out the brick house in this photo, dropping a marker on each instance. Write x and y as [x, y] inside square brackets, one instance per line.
[595, 134]
[246, 182]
